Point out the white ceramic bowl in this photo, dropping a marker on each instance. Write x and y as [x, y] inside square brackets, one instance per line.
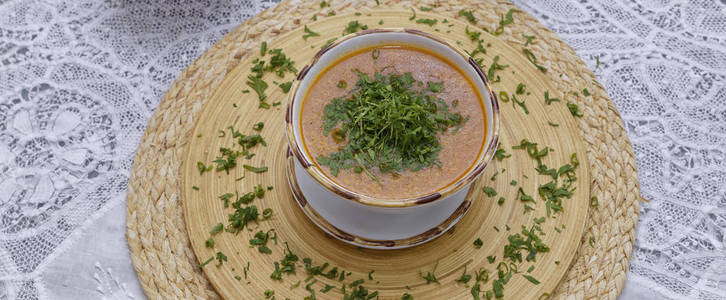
[376, 222]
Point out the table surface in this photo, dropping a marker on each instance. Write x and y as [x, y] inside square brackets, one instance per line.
[79, 81]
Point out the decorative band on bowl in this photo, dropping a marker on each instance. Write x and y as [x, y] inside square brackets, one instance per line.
[336, 232]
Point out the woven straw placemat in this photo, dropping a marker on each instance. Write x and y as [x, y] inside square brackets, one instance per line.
[158, 241]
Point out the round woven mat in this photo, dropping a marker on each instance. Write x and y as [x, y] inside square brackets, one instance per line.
[157, 236]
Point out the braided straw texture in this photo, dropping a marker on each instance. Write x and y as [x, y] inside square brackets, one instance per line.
[157, 236]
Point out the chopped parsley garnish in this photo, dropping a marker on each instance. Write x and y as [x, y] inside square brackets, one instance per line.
[209, 243]
[469, 15]
[221, 258]
[574, 110]
[494, 67]
[430, 276]
[549, 100]
[506, 19]
[464, 277]
[424, 8]
[285, 86]
[258, 126]
[387, 124]
[414, 15]
[260, 241]
[528, 38]
[309, 33]
[521, 88]
[263, 48]
[217, 229]
[354, 26]
[473, 35]
[530, 278]
[286, 264]
[255, 169]
[202, 168]
[478, 243]
[326, 288]
[280, 63]
[489, 191]
[259, 86]
[206, 262]
[342, 84]
[355, 283]
[501, 154]
[430, 22]
[520, 104]
[225, 199]
[553, 124]
[585, 92]
[533, 59]
[241, 216]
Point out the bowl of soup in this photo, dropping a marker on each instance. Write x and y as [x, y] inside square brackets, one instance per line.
[387, 130]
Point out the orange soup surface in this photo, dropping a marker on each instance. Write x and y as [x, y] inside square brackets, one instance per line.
[459, 150]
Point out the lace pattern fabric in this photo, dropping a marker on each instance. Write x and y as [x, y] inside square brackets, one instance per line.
[80, 79]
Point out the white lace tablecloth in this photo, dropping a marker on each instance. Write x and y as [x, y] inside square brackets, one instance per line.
[80, 79]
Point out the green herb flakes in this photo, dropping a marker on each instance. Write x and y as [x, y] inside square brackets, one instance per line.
[469, 15]
[430, 276]
[574, 110]
[202, 168]
[494, 67]
[263, 48]
[354, 26]
[206, 262]
[258, 85]
[549, 100]
[533, 59]
[379, 138]
[489, 191]
[478, 243]
[430, 22]
[285, 86]
[286, 265]
[521, 88]
[255, 169]
[221, 258]
[217, 229]
[530, 278]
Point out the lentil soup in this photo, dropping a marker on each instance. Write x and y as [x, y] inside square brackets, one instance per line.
[459, 149]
